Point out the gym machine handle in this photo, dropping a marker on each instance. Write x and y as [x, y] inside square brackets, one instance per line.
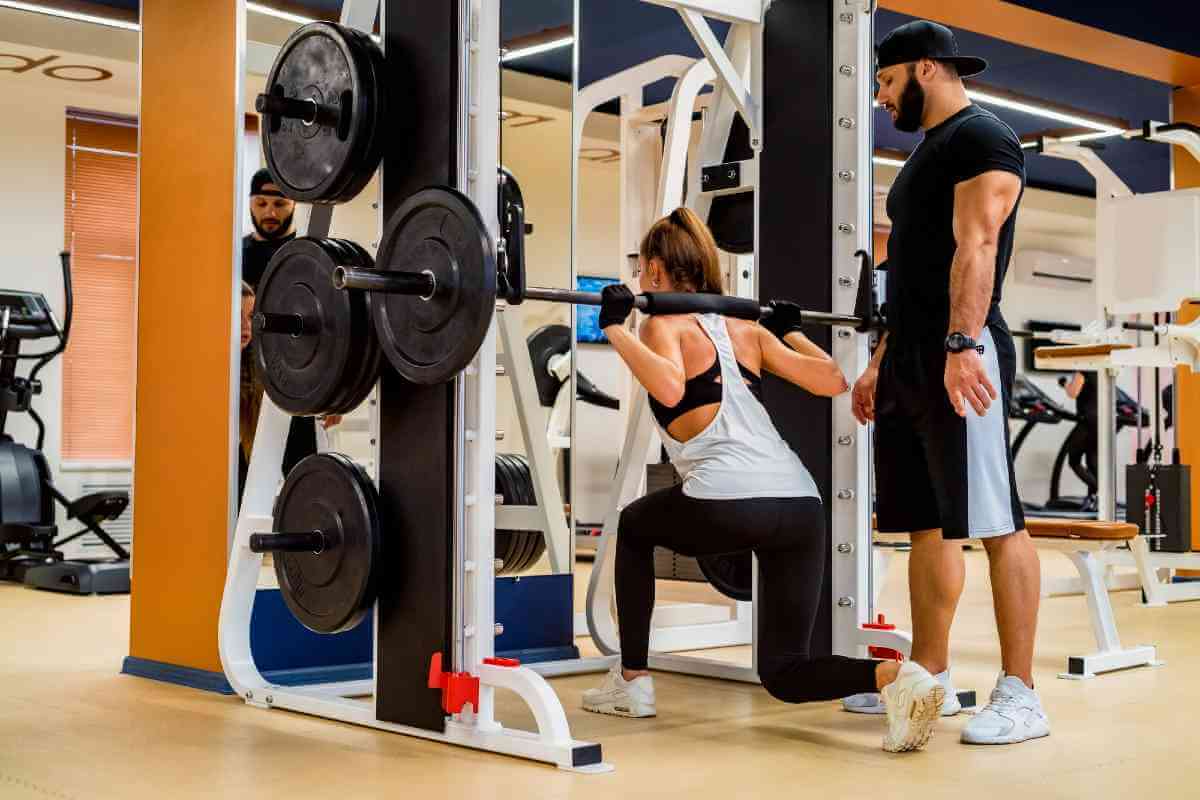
[309, 542]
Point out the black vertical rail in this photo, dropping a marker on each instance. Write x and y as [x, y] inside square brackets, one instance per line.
[416, 430]
[795, 251]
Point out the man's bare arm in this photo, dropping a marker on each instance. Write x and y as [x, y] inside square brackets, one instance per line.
[981, 207]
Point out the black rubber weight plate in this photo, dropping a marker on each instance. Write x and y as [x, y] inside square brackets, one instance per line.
[509, 543]
[330, 591]
[437, 230]
[530, 544]
[524, 539]
[305, 374]
[317, 163]
[544, 344]
[731, 575]
[365, 361]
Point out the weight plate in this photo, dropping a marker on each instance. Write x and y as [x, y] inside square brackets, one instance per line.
[373, 126]
[529, 545]
[523, 539]
[730, 574]
[545, 343]
[363, 370]
[439, 231]
[537, 540]
[510, 544]
[331, 591]
[305, 374]
[319, 162]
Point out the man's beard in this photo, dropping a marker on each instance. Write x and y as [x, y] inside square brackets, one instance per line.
[910, 108]
[285, 225]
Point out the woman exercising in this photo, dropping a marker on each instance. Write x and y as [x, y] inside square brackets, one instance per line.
[743, 488]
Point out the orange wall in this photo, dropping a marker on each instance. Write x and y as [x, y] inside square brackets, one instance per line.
[1019, 25]
[182, 447]
[1187, 384]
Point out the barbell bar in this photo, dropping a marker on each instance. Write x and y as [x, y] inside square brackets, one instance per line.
[423, 284]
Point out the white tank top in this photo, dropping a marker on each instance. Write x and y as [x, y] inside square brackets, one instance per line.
[740, 455]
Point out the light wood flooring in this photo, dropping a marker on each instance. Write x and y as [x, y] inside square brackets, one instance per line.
[72, 727]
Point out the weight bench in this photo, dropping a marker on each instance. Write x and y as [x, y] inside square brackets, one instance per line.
[1086, 543]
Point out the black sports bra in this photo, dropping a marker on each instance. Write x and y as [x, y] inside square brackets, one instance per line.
[702, 390]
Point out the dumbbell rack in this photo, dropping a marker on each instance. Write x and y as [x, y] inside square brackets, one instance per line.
[471, 672]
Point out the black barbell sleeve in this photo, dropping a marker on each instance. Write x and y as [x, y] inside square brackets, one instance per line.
[307, 111]
[420, 284]
[307, 542]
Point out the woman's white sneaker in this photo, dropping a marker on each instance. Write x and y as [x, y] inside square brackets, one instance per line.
[1013, 714]
[914, 703]
[872, 703]
[620, 697]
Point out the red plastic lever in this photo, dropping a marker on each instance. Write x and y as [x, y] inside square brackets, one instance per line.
[458, 688]
[885, 653]
[502, 662]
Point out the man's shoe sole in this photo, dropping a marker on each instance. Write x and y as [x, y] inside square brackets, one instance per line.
[1009, 740]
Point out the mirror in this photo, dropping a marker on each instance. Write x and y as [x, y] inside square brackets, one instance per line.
[534, 411]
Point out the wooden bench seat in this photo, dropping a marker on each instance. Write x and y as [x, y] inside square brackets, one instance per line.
[1085, 530]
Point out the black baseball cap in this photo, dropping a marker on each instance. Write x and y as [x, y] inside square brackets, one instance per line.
[919, 39]
[261, 179]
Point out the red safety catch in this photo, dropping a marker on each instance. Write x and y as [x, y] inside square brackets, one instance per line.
[502, 662]
[885, 653]
[458, 688]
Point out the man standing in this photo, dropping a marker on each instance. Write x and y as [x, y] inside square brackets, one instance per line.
[938, 386]
[273, 217]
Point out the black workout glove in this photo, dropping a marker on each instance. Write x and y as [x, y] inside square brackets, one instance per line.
[784, 318]
[616, 303]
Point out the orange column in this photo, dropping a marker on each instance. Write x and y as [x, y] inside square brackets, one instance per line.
[191, 128]
[1187, 385]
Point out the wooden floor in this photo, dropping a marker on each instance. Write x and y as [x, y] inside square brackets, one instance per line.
[72, 727]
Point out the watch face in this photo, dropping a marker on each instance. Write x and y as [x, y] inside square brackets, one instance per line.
[956, 342]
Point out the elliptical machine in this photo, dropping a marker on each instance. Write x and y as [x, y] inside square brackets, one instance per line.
[29, 550]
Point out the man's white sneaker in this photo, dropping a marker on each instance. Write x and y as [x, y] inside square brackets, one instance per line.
[1013, 714]
[872, 703]
[623, 698]
[914, 703]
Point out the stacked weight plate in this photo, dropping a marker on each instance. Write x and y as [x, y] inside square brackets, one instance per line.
[518, 550]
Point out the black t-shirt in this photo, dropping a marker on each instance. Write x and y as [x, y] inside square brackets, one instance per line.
[920, 204]
[256, 254]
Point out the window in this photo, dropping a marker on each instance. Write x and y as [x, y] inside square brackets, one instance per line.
[101, 233]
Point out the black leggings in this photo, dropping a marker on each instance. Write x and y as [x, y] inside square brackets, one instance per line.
[788, 536]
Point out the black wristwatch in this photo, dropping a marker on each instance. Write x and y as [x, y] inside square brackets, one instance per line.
[958, 342]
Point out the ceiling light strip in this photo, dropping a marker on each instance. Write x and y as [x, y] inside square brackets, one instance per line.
[259, 8]
[532, 50]
[71, 15]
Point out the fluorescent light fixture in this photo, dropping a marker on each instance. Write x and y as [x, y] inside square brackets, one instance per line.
[259, 8]
[1102, 129]
[72, 15]
[534, 49]
[887, 162]
[1057, 116]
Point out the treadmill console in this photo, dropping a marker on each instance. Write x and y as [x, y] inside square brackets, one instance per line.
[29, 315]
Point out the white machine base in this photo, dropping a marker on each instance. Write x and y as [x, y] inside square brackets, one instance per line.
[1081, 668]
